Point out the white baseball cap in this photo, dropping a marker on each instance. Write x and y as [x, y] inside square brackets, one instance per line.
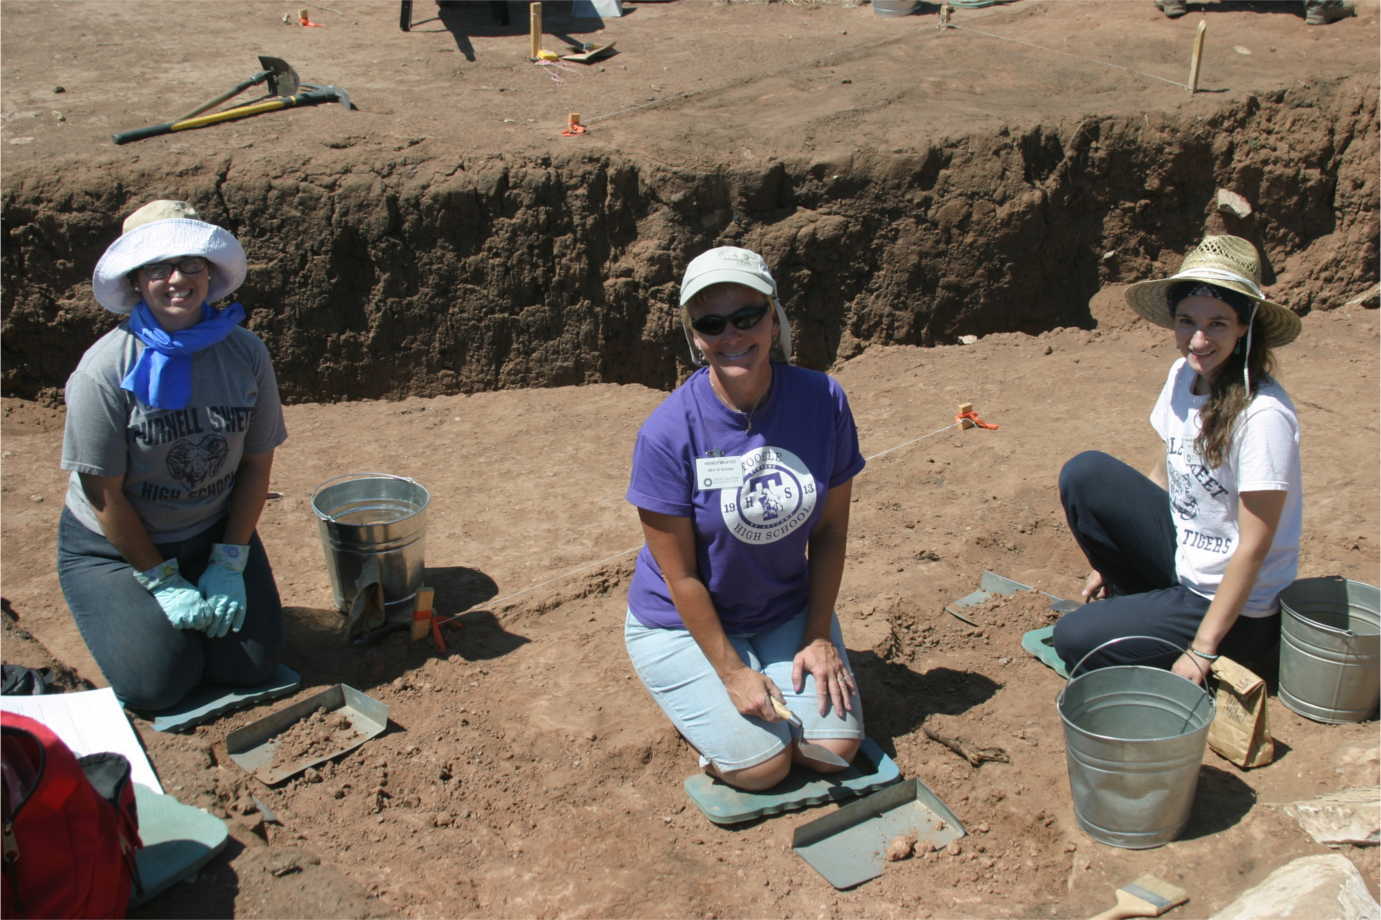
[732, 265]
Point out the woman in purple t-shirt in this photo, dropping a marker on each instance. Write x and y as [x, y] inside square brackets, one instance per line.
[742, 481]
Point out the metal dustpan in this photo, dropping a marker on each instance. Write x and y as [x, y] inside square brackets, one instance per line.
[255, 747]
[849, 846]
[991, 584]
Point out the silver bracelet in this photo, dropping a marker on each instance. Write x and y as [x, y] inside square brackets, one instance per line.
[1204, 655]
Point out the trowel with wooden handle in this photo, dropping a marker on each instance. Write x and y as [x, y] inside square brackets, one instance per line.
[809, 748]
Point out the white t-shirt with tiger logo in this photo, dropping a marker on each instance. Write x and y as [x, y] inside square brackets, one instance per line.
[1264, 457]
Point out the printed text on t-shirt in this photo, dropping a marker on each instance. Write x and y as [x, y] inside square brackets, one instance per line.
[169, 426]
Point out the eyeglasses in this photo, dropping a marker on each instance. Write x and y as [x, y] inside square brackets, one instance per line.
[714, 323]
[161, 271]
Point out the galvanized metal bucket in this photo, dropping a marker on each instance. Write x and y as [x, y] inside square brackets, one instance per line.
[373, 529]
[1134, 740]
[894, 7]
[1330, 649]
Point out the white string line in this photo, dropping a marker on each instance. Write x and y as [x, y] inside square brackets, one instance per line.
[823, 60]
[932, 434]
[625, 552]
[643, 105]
[507, 597]
[1081, 57]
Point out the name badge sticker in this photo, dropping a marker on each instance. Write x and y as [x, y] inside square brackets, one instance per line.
[712, 473]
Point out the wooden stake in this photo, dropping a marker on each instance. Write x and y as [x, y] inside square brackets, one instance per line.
[535, 23]
[1194, 58]
[422, 613]
[964, 409]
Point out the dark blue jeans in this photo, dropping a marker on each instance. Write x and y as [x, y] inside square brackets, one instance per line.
[151, 665]
[1121, 520]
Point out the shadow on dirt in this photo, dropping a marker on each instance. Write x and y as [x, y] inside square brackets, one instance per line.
[458, 588]
[477, 636]
[1220, 801]
[318, 649]
[212, 894]
[896, 699]
[1248, 6]
[316, 646]
[497, 17]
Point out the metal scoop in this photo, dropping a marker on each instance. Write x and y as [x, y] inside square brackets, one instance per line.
[809, 748]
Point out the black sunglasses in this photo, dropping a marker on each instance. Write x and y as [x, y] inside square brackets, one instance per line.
[187, 265]
[715, 323]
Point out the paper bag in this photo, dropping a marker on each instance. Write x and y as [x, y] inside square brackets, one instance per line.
[1239, 731]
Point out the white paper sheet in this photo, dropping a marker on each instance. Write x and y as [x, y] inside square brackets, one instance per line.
[88, 722]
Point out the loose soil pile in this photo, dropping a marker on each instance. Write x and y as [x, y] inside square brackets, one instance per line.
[914, 185]
[313, 736]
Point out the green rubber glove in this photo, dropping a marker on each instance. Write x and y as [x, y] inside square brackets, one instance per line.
[223, 586]
[182, 603]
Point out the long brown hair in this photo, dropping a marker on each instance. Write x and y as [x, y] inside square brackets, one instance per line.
[1227, 395]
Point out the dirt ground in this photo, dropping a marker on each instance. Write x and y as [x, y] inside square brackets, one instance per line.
[695, 83]
[525, 773]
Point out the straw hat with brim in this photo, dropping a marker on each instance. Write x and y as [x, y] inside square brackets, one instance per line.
[161, 241]
[162, 209]
[1228, 262]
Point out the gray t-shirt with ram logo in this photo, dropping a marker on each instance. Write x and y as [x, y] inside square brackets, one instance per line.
[178, 464]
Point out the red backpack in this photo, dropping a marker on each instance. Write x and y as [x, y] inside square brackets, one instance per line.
[71, 828]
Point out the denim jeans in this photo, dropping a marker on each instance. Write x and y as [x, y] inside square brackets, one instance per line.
[1121, 520]
[151, 665]
[684, 684]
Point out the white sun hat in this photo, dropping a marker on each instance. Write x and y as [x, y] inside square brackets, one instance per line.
[160, 241]
[733, 265]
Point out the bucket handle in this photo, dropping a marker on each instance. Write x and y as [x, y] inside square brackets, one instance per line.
[1206, 695]
[345, 476]
[1152, 638]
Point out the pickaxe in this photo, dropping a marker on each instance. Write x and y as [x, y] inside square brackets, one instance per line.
[311, 95]
[281, 78]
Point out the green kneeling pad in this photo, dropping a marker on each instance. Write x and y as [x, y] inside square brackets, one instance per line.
[208, 701]
[802, 788]
[1038, 642]
[178, 841]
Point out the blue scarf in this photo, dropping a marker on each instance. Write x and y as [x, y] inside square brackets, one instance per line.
[162, 377]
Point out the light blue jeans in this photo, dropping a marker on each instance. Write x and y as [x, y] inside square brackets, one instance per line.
[684, 684]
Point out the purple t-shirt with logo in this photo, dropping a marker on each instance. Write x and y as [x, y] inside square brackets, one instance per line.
[754, 487]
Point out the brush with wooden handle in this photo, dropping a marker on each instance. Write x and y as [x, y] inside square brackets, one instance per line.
[1148, 896]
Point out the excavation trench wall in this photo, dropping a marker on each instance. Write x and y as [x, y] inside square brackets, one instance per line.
[423, 276]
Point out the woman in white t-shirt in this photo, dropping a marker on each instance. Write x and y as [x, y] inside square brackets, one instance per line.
[1197, 553]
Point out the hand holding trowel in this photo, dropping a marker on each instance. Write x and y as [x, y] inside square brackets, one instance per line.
[808, 748]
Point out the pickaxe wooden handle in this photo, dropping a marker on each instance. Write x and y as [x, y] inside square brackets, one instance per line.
[314, 96]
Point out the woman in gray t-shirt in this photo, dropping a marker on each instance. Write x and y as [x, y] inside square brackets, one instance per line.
[172, 420]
